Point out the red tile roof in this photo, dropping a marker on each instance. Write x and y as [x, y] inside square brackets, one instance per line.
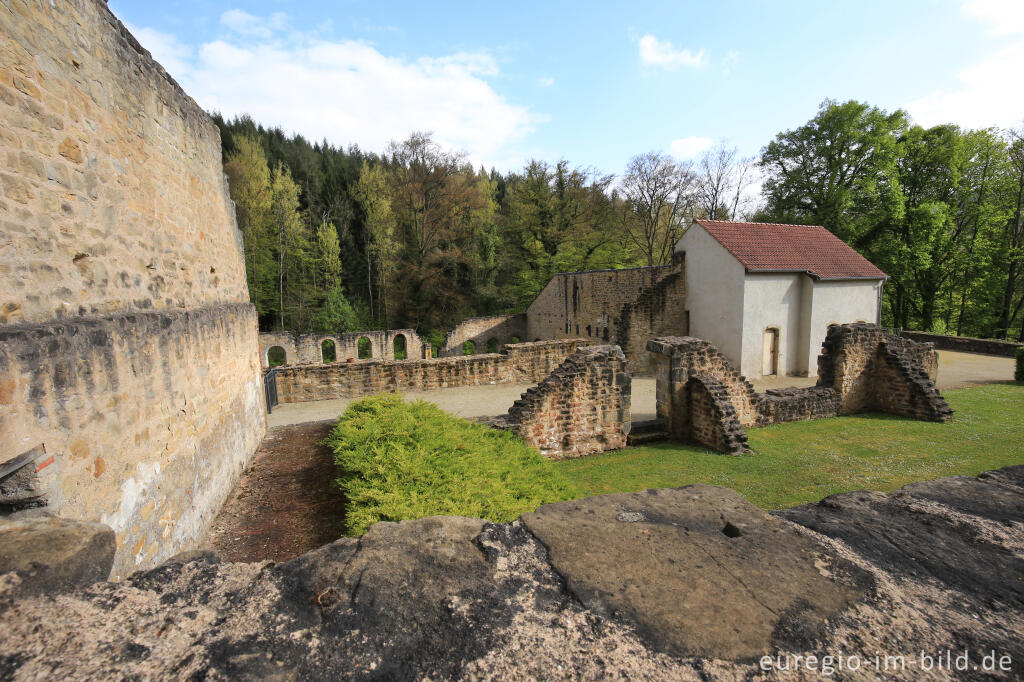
[772, 247]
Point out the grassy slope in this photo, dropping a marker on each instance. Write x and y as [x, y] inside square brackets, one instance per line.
[805, 461]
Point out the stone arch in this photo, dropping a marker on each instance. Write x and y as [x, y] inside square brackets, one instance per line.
[492, 345]
[364, 348]
[328, 350]
[400, 347]
[469, 348]
[276, 356]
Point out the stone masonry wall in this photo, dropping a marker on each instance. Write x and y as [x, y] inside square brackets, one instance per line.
[713, 419]
[700, 395]
[873, 370]
[517, 364]
[128, 348]
[501, 328]
[580, 409]
[623, 307]
[113, 194]
[965, 344]
[307, 349]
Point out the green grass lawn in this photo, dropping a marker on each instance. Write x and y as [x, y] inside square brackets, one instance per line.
[803, 462]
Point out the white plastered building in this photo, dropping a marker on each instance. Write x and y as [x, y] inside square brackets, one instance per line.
[765, 294]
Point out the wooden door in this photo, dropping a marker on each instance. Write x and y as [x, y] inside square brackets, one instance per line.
[770, 360]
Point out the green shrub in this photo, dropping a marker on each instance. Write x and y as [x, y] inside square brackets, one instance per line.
[1019, 374]
[399, 460]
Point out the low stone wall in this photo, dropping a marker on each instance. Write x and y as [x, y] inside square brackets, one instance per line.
[307, 349]
[965, 344]
[518, 364]
[503, 329]
[700, 395]
[580, 409]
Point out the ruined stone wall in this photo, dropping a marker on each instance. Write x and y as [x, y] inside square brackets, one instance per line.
[524, 363]
[700, 396]
[965, 344]
[504, 329]
[873, 370]
[580, 409]
[129, 352]
[713, 419]
[623, 307]
[307, 349]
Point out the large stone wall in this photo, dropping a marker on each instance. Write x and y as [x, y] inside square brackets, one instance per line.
[502, 329]
[129, 361]
[623, 307]
[524, 363]
[307, 349]
[965, 344]
[580, 409]
[114, 197]
[700, 395]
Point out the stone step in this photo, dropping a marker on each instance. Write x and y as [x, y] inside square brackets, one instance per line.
[646, 426]
[646, 437]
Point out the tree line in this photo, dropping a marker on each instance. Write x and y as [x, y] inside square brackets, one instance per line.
[338, 239]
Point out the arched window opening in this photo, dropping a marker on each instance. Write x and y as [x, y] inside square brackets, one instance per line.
[469, 348]
[606, 333]
[276, 356]
[364, 348]
[328, 353]
[588, 331]
[399, 345]
[492, 345]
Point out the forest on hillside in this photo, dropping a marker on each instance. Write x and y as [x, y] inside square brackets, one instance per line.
[338, 239]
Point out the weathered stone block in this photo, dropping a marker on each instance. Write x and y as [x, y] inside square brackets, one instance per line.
[51, 555]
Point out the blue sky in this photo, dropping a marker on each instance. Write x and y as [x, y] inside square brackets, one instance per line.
[594, 82]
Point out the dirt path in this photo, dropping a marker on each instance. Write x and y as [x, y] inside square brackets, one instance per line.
[285, 503]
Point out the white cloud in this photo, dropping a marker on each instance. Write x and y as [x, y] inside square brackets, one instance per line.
[346, 91]
[689, 147]
[662, 53]
[988, 94]
[1004, 17]
[171, 53]
[545, 82]
[245, 24]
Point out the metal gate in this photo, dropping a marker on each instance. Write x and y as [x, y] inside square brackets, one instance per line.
[270, 388]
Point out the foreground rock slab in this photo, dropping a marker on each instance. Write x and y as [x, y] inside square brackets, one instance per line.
[684, 584]
[699, 570]
[50, 555]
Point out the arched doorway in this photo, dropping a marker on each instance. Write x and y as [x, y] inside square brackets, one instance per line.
[276, 356]
[328, 353]
[398, 343]
[469, 348]
[364, 348]
[770, 358]
[492, 345]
